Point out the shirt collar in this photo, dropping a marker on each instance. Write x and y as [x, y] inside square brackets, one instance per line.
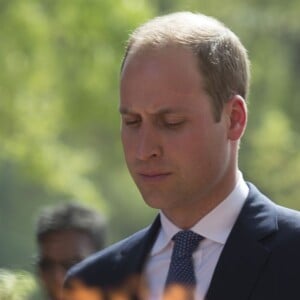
[215, 226]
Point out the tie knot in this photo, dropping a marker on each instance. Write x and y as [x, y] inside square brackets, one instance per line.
[186, 242]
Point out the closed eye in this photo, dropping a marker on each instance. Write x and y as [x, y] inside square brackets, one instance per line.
[130, 121]
[173, 123]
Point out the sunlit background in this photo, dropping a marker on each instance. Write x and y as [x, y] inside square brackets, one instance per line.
[59, 122]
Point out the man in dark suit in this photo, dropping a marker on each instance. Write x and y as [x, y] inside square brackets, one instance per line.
[184, 86]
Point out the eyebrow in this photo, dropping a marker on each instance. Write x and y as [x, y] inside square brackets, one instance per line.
[124, 110]
[162, 111]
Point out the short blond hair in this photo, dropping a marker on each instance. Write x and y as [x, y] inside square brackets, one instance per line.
[223, 60]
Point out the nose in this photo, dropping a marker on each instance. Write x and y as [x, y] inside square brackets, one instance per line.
[148, 144]
[57, 276]
[53, 280]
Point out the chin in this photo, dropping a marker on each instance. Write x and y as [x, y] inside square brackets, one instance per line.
[156, 203]
[56, 298]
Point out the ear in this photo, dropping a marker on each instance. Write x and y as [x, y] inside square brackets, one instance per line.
[236, 113]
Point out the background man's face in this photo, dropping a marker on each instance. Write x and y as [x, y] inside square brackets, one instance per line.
[58, 251]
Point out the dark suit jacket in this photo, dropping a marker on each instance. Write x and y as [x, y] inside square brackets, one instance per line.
[260, 260]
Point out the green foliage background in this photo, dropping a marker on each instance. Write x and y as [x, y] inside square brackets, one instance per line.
[16, 285]
[59, 123]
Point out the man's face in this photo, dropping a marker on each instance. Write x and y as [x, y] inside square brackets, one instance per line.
[58, 251]
[176, 152]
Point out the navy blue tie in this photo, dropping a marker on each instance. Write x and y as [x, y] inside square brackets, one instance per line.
[181, 270]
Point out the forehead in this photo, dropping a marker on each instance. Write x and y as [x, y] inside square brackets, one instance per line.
[66, 244]
[166, 60]
[160, 74]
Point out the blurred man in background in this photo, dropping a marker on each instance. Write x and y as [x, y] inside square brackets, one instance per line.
[65, 235]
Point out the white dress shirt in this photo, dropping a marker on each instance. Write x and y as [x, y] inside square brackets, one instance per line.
[215, 227]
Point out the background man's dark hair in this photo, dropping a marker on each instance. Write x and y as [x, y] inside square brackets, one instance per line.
[72, 216]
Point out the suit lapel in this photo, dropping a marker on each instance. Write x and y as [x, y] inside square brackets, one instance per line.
[245, 251]
[133, 255]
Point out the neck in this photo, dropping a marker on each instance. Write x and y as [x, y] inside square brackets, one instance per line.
[186, 217]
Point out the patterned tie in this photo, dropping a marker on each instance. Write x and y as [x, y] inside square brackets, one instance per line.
[181, 270]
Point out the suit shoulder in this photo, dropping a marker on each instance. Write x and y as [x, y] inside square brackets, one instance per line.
[288, 219]
[95, 265]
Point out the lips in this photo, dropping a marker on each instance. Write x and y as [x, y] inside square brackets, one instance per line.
[153, 175]
[148, 171]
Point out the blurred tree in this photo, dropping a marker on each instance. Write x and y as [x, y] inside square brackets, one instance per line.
[17, 285]
[60, 63]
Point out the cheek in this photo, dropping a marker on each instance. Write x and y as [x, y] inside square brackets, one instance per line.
[188, 145]
[128, 154]
[196, 150]
[44, 279]
[41, 276]
[125, 142]
[130, 143]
